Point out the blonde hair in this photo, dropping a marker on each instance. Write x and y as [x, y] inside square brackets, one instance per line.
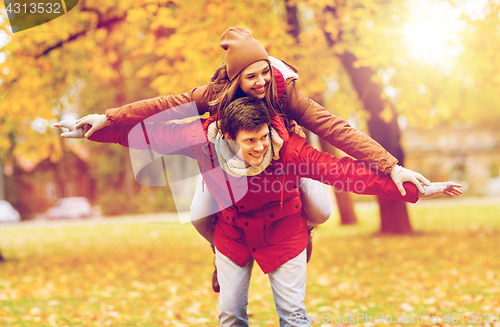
[226, 90]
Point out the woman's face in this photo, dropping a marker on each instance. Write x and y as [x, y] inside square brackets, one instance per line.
[255, 78]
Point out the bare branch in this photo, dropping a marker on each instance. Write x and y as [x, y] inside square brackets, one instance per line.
[100, 24]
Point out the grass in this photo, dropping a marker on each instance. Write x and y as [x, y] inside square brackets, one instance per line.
[152, 274]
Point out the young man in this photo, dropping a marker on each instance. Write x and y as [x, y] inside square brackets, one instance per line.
[252, 166]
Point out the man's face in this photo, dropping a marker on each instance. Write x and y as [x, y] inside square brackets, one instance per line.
[253, 145]
[255, 78]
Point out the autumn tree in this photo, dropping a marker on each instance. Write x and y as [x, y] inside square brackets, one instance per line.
[343, 199]
[113, 53]
[371, 41]
[352, 54]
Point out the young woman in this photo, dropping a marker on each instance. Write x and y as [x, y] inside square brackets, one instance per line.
[249, 70]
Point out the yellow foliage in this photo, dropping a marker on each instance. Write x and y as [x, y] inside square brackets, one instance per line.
[112, 57]
[134, 15]
[160, 82]
[387, 114]
[172, 46]
[5, 142]
[100, 35]
[145, 71]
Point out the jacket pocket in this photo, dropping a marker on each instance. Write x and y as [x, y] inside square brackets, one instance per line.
[225, 223]
[274, 212]
[281, 229]
[280, 225]
[228, 230]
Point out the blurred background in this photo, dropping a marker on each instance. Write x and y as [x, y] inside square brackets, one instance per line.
[421, 77]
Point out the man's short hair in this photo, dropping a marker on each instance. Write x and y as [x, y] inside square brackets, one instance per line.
[246, 113]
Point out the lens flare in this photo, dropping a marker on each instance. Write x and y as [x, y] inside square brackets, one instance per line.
[433, 32]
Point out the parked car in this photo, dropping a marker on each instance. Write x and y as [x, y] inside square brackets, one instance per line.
[8, 214]
[70, 208]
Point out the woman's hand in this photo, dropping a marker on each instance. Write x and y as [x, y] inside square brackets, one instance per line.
[448, 188]
[400, 175]
[74, 132]
[96, 121]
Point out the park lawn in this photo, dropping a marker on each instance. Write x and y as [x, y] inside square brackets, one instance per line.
[157, 274]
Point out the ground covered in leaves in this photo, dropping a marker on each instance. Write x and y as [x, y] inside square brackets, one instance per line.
[155, 274]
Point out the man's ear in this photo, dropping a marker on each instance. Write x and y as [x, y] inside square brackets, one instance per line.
[227, 137]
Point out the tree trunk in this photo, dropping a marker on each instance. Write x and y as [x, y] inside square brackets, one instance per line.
[2, 183]
[393, 214]
[344, 201]
[292, 19]
[129, 178]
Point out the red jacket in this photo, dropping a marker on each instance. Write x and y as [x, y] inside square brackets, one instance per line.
[260, 216]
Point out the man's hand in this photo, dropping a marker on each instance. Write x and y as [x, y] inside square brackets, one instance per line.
[448, 188]
[74, 132]
[96, 121]
[400, 174]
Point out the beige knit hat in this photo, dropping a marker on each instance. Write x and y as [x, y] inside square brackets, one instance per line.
[241, 50]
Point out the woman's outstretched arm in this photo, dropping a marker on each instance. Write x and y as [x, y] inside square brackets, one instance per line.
[172, 106]
[162, 137]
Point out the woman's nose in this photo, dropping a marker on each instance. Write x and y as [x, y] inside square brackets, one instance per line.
[261, 80]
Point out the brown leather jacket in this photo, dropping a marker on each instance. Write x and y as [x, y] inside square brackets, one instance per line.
[303, 110]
